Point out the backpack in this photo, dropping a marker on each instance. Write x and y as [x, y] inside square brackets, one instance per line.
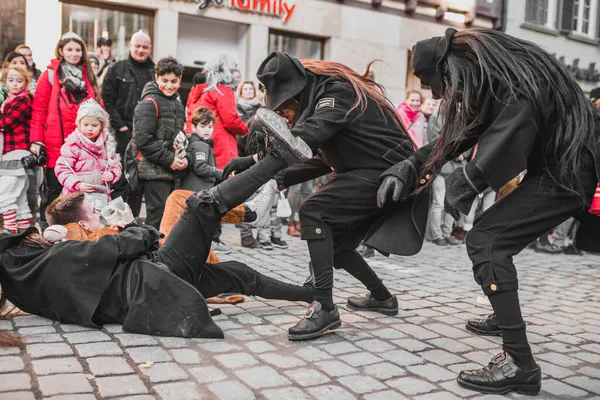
[131, 163]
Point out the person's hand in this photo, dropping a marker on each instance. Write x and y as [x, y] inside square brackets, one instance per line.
[117, 226]
[123, 128]
[397, 180]
[238, 165]
[178, 164]
[107, 176]
[35, 148]
[84, 187]
[451, 210]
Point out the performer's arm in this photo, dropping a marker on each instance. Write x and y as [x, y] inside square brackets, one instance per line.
[312, 169]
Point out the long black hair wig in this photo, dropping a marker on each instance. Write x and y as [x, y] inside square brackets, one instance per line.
[479, 60]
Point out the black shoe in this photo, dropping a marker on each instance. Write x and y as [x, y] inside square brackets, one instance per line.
[277, 242]
[548, 248]
[452, 241]
[501, 376]
[266, 245]
[315, 323]
[365, 251]
[484, 327]
[250, 242]
[441, 242]
[572, 250]
[369, 303]
[280, 140]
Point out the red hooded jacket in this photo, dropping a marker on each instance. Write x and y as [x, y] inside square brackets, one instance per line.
[193, 103]
[48, 111]
[228, 123]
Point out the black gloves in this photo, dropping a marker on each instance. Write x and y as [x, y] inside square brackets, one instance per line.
[155, 234]
[462, 186]
[399, 180]
[238, 165]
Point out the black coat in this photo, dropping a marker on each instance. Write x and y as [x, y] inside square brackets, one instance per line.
[153, 137]
[347, 141]
[66, 282]
[201, 172]
[122, 90]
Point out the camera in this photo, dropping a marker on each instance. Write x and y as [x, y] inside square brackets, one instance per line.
[32, 160]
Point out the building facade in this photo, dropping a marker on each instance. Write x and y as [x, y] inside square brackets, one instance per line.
[570, 29]
[354, 32]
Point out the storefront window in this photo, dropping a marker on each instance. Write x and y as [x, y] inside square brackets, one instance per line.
[12, 26]
[301, 47]
[93, 23]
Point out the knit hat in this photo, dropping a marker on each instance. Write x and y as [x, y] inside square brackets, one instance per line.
[90, 108]
[595, 94]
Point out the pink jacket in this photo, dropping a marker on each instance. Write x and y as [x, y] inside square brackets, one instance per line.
[415, 124]
[82, 160]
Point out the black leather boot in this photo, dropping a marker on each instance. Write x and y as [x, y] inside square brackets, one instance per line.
[484, 327]
[315, 323]
[279, 140]
[501, 376]
[369, 303]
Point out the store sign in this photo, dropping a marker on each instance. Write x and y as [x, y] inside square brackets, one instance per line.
[589, 74]
[275, 8]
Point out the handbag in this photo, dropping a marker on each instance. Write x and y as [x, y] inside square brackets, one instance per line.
[131, 169]
[283, 207]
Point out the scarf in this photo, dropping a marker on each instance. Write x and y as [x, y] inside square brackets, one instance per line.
[9, 97]
[71, 78]
[248, 105]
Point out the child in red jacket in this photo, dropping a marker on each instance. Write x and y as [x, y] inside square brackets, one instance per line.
[15, 113]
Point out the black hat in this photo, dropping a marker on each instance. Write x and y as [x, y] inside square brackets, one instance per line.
[283, 76]
[104, 42]
[427, 59]
[595, 94]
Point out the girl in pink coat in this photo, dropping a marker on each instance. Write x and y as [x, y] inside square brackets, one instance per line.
[87, 162]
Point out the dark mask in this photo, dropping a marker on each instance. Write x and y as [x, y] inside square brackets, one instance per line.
[428, 59]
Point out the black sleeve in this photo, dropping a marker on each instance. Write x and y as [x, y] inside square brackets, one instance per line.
[110, 90]
[198, 155]
[144, 123]
[130, 244]
[311, 169]
[330, 116]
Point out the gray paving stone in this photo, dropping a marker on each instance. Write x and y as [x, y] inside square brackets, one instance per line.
[311, 353]
[412, 345]
[330, 392]
[336, 368]
[388, 333]
[103, 366]
[384, 370]
[554, 370]
[281, 361]
[454, 387]
[68, 328]
[44, 338]
[586, 383]
[559, 359]
[98, 349]
[141, 355]
[441, 357]
[402, 358]
[207, 374]
[236, 360]
[19, 396]
[288, 393]
[361, 384]
[432, 372]
[37, 330]
[64, 384]
[415, 331]
[164, 372]
[50, 366]
[262, 377]
[131, 340]
[268, 330]
[10, 382]
[6, 325]
[437, 396]
[360, 359]
[260, 346]
[590, 371]
[112, 328]
[11, 364]
[124, 385]
[186, 356]
[451, 345]
[219, 346]
[49, 350]
[231, 390]
[9, 351]
[32, 321]
[87, 337]
[385, 395]
[374, 345]
[411, 386]
[173, 342]
[307, 377]
[340, 348]
[561, 389]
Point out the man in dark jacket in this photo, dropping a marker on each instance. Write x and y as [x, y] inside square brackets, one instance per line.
[121, 92]
[158, 119]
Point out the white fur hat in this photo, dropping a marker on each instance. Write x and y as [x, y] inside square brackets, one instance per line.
[90, 108]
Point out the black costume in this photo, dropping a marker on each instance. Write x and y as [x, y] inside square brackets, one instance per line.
[358, 146]
[125, 279]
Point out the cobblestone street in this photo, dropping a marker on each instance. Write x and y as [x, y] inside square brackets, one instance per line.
[415, 355]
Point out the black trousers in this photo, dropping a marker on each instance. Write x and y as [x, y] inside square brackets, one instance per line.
[121, 187]
[54, 190]
[334, 222]
[156, 193]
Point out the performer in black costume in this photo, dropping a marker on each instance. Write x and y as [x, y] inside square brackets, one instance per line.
[127, 279]
[525, 111]
[353, 129]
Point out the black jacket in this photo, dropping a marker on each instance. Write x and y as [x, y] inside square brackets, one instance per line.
[122, 90]
[66, 283]
[153, 137]
[201, 172]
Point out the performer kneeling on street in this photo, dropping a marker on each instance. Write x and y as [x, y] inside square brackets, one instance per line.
[347, 119]
[127, 279]
[525, 111]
